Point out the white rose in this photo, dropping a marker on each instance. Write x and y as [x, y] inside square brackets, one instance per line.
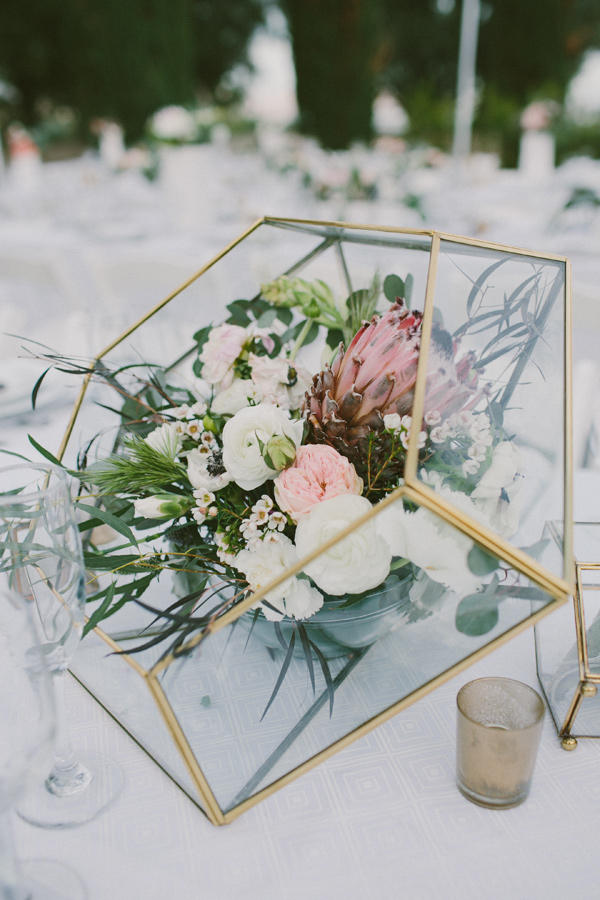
[220, 351]
[198, 474]
[241, 451]
[357, 563]
[165, 439]
[235, 397]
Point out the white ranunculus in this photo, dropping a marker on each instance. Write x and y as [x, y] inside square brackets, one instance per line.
[165, 439]
[219, 353]
[235, 397]
[496, 495]
[359, 562]
[241, 435]
[198, 474]
[431, 544]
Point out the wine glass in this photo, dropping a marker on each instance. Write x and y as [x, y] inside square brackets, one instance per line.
[41, 560]
[27, 732]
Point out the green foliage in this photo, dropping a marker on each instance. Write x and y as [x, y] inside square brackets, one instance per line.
[477, 613]
[525, 51]
[335, 45]
[143, 469]
[118, 60]
[220, 32]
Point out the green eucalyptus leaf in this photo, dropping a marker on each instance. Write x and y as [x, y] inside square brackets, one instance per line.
[477, 614]
[393, 286]
[481, 562]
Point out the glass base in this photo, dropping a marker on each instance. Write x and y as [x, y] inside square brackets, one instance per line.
[44, 879]
[46, 809]
[492, 802]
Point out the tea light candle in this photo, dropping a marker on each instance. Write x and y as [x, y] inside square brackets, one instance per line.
[498, 732]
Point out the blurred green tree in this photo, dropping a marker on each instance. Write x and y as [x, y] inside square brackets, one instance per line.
[335, 45]
[526, 50]
[120, 60]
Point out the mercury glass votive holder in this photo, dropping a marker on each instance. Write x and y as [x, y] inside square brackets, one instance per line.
[498, 732]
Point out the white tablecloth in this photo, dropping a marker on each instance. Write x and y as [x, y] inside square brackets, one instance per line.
[382, 819]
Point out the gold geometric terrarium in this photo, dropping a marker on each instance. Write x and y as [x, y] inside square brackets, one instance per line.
[422, 579]
[568, 646]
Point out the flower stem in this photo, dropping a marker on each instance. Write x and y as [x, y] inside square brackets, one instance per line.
[300, 339]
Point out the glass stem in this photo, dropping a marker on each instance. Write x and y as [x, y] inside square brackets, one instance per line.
[10, 877]
[68, 776]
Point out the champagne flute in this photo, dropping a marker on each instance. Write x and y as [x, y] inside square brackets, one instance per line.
[41, 560]
[27, 732]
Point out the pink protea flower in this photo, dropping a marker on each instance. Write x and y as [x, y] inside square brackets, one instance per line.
[318, 473]
[374, 377]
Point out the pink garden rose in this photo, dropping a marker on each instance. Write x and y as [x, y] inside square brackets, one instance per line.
[318, 473]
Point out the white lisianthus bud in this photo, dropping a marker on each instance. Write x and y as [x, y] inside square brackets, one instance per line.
[162, 506]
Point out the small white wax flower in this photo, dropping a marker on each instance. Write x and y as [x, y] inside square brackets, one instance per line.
[194, 429]
[439, 434]
[433, 417]
[470, 467]
[265, 503]
[392, 421]
[203, 497]
[278, 520]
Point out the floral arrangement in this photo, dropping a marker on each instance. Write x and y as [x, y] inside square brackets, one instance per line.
[233, 479]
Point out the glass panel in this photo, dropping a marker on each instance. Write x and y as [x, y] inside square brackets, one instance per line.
[494, 406]
[248, 728]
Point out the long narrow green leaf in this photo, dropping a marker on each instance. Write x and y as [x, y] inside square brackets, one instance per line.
[98, 615]
[109, 519]
[307, 654]
[326, 675]
[282, 673]
[37, 386]
[44, 452]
